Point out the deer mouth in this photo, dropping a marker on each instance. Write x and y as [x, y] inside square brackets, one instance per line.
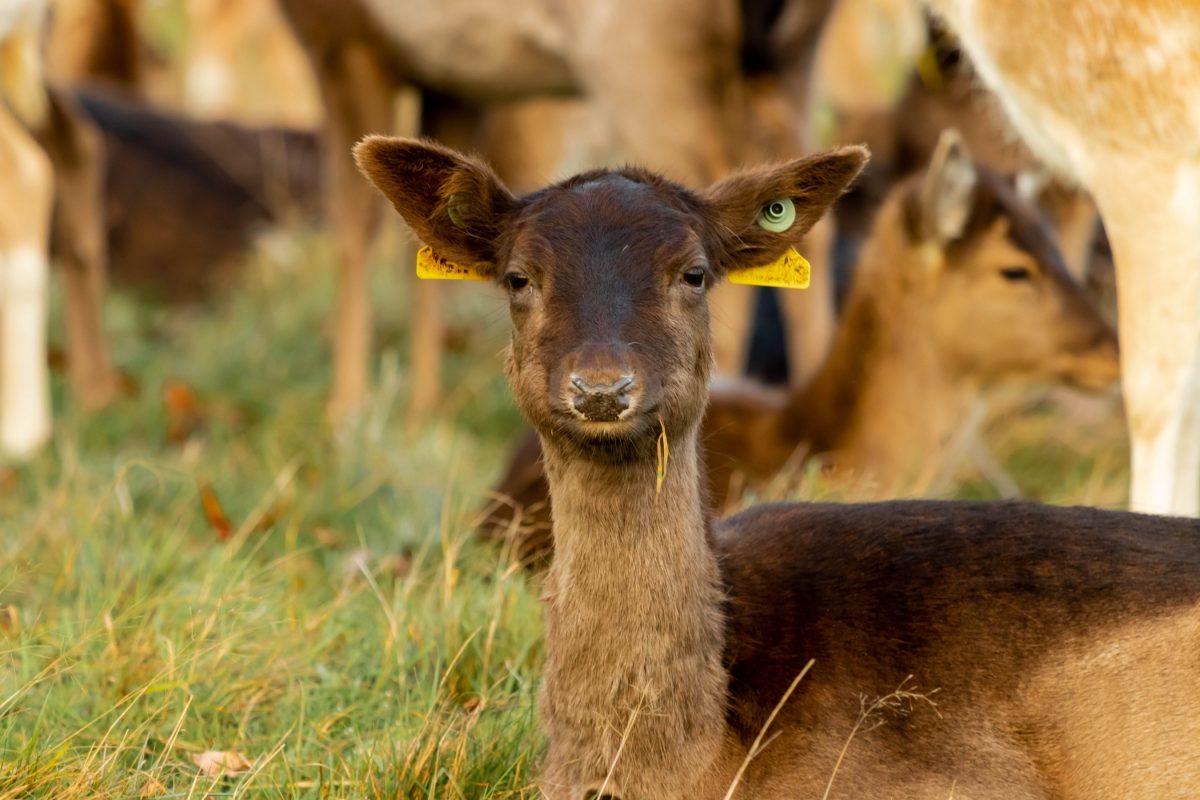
[632, 433]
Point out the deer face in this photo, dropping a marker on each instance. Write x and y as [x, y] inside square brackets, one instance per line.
[607, 276]
[607, 280]
[999, 300]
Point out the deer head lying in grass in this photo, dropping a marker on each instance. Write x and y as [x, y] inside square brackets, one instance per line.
[958, 288]
[1061, 643]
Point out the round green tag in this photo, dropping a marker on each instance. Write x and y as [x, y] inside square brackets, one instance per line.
[778, 215]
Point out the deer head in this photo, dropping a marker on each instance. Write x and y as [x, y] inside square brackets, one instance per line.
[607, 275]
[996, 294]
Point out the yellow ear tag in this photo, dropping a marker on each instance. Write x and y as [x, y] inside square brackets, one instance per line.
[789, 271]
[432, 267]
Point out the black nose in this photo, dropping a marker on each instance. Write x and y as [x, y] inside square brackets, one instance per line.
[601, 402]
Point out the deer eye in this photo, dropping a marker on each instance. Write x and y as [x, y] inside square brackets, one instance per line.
[695, 277]
[1016, 273]
[515, 281]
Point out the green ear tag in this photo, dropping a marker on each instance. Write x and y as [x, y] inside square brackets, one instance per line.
[432, 267]
[778, 215]
[454, 210]
[789, 271]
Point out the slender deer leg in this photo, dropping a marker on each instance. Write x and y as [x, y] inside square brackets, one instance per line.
[357, 96]
[1155, 234]
[26, 197]
[731, 308]
[457, 125]
[76, 150]
[809, 316]
[672, 113]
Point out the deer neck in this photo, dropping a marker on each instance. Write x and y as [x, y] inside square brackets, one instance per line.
[634, 626]
[884, 402]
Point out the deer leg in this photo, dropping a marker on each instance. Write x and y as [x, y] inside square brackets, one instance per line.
[25, 202]
[357, 96]
[1155, 235]
[809, 316]
[731, 308]
[78, 229]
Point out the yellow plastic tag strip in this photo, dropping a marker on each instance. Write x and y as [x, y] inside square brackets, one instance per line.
[432, 267]
[789, 271]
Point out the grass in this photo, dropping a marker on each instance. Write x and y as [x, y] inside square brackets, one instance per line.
[219, 573]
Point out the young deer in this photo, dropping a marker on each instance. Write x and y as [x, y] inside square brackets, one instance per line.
[684, 656]
[1104, 91]
[958, 288]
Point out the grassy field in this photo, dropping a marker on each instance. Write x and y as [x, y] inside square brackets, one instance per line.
[203, 568]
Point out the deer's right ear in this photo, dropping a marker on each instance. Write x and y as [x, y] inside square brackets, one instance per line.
[757, 215]
[948, 193]
[454, 203]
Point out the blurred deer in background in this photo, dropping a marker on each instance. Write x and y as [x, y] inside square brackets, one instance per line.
[26, 197]
[98, 42]
[959, 288]
[693, 658]
[244, 64]
[671, 76]
[77, 228]
[1104, 91]
[886, 91]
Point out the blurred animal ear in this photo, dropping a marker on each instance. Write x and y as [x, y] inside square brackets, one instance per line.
[758, 215]
[454, 203]
[948, 191]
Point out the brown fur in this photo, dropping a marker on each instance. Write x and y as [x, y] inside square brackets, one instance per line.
[97, 41]
[677, 101]
[1060, 646]
[931, 322]
[186, 199]
[77, 153]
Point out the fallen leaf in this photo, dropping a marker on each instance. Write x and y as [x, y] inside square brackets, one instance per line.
[327, 537]
[219, 763]
[183, 410]
[10, 481]
[10, 623]
[214, 513]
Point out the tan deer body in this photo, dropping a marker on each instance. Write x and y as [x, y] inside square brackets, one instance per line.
[1104, 90]
[666, 75]
[958, 288]
[1060, 646]
[26, 196]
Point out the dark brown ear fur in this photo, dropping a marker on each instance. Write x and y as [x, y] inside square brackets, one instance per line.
[813, 183]
[454, 203]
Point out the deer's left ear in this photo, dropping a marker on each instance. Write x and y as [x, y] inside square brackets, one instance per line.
[454, 203]
[758, 215]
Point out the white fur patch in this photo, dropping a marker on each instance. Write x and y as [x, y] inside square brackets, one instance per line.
[208, 87]
[24, 377]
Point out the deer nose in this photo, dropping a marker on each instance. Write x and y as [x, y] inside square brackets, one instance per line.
[601, 400]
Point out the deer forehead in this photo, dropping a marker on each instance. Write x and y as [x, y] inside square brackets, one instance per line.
[605, 228]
